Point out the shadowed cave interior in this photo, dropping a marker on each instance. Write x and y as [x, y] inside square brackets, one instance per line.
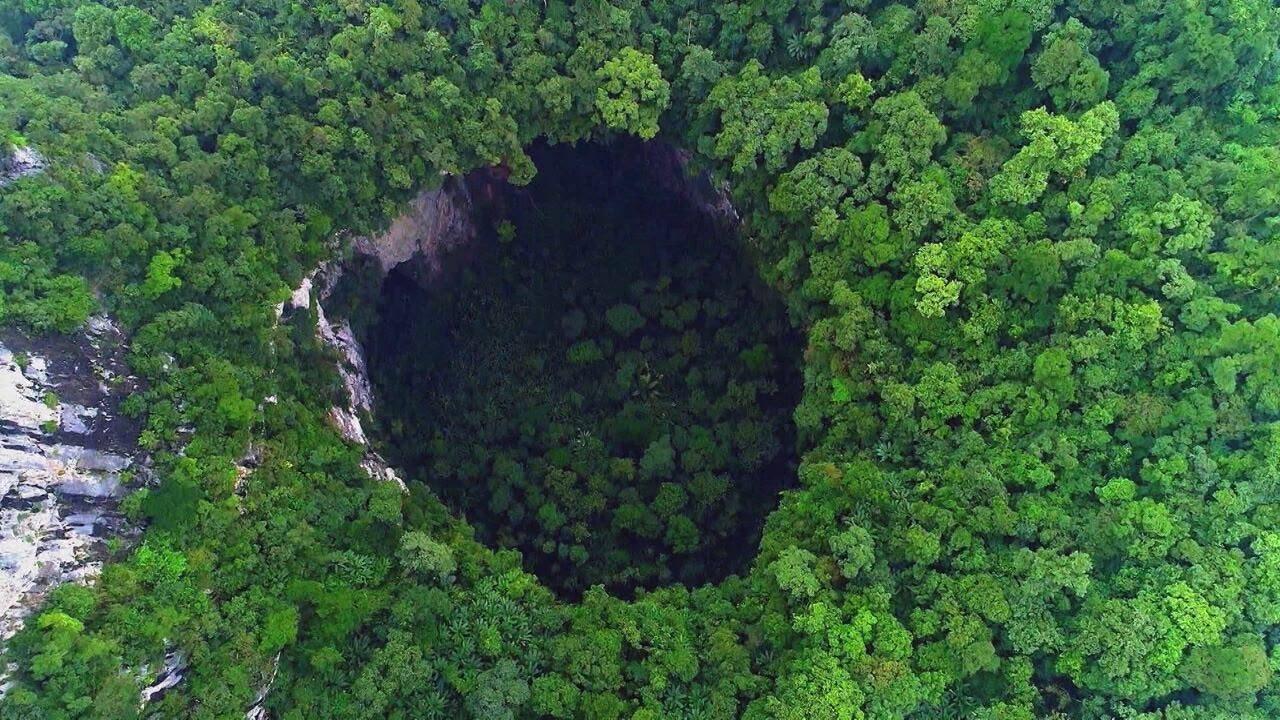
[598, 380]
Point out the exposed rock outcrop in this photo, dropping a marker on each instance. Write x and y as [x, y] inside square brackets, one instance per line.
[670, 166]
[313, 291]
[19, 163]
[64, 454]
[435, 223]
[257, 710]
[170, 676]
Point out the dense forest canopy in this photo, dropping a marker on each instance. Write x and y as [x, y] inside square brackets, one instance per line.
[1029, 249]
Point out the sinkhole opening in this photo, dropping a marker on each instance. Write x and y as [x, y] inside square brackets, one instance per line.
[598, 379]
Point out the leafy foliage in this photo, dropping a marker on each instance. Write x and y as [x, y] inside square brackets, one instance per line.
[1031, 246]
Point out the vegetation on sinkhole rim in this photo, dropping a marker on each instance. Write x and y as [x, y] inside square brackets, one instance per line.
[1028, 248]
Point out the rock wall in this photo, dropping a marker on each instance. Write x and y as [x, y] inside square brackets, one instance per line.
[438, 223]
[64, 454]
[435, 223]
[670, 166]
[314, 290]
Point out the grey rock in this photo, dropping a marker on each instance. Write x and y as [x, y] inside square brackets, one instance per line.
[91, 486]
[170, 675]
[72, 418]
[88, 459]
[19, 163]
[30, 492]
[313, 291]
[435, 222]
[257, 710]
[60, 467]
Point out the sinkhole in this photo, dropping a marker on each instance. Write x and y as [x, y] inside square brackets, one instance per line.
[597, 379]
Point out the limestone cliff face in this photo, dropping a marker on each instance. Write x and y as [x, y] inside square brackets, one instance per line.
[670, 166]
[435, 223]
[338, 335]
[64, 453]
[438, 223]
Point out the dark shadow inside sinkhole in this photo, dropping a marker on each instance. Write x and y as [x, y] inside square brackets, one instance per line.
[598, 380]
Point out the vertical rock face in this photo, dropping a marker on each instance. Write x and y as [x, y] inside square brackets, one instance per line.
[170, 675]
[669, 166]
[64, 452]
[338, 335]
[435, 223]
